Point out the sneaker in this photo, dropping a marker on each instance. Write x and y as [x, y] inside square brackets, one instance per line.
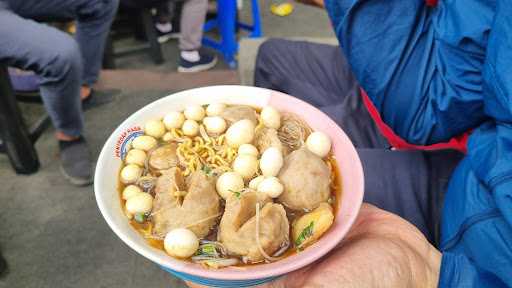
[76, 163]
[3, 265]
[206, 61]
[165, 32]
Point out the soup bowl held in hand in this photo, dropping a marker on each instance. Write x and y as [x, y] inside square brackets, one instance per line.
[110, 160]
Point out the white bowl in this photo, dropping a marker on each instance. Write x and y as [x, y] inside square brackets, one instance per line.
[109, 163]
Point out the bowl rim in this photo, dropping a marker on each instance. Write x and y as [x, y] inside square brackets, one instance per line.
[304, 258]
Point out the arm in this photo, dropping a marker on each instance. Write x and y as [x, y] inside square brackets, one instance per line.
[491, 149]
[406, 57]
[476, 237]
[423, 70]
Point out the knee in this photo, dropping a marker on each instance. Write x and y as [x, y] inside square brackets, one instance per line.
[269, 51]
[264, 58]
[271, 61]
[64, 61]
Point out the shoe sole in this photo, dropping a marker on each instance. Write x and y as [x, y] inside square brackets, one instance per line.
[198, 68]
[75, 181]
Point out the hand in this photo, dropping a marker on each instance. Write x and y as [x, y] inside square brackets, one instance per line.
[381, 250]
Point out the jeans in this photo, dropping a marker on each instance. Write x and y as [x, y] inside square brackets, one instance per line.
[63, 63]
[410, 184]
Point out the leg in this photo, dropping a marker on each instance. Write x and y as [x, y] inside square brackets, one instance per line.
[410, 184]
[192, 59]
[193, 15]
[227, 14]
[149, 29]
[55, 57]
[163, 12]
[94, 18]
[320, 75]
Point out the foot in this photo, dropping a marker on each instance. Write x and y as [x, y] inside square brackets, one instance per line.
[76, 162]
[98, 98]
[165, 32]
[196, 61]
[3, 265]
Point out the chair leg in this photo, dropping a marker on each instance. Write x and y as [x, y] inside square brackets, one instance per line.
[14, 135]
[227, 21]
[256, 20]
[154, 47]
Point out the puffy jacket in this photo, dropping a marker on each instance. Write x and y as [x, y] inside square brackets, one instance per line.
[434, 73]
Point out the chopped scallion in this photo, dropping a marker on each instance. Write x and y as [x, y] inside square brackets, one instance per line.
[237, 194]
[207, 170]
[306, 233]
[140, 217]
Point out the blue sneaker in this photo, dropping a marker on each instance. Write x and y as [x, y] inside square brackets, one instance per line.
[206, 61]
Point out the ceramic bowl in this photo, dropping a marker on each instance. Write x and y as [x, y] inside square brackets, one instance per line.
[110, 160]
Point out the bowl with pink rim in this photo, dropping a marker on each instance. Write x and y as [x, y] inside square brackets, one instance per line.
[110, 161]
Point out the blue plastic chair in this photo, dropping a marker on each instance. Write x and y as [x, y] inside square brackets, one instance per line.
[227, 24]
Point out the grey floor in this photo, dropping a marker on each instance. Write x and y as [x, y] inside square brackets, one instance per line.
[52, 233]
[305, 21]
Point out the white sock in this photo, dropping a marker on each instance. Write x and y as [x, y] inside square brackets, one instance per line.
[164, 27]
[191, 56]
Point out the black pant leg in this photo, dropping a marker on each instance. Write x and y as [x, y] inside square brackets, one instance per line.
[410, 184]
[320, 75]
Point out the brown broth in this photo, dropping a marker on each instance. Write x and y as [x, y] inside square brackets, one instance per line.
[159, 244]
[336, 193]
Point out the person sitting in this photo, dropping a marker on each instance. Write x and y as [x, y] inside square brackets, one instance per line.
[430, 75]
[67, 67]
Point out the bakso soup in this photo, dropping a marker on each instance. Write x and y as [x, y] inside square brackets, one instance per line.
[226, 185]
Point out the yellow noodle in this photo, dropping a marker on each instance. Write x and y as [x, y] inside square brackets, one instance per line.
[205, 150]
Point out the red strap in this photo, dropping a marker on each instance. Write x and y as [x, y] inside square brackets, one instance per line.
[458, 143]
[431, 2]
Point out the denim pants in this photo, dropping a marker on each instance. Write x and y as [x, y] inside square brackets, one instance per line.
[63, 63]
[410, 184]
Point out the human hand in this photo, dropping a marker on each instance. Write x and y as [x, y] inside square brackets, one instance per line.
[381, 250]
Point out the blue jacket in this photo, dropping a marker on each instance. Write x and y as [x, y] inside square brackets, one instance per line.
[434, 73]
